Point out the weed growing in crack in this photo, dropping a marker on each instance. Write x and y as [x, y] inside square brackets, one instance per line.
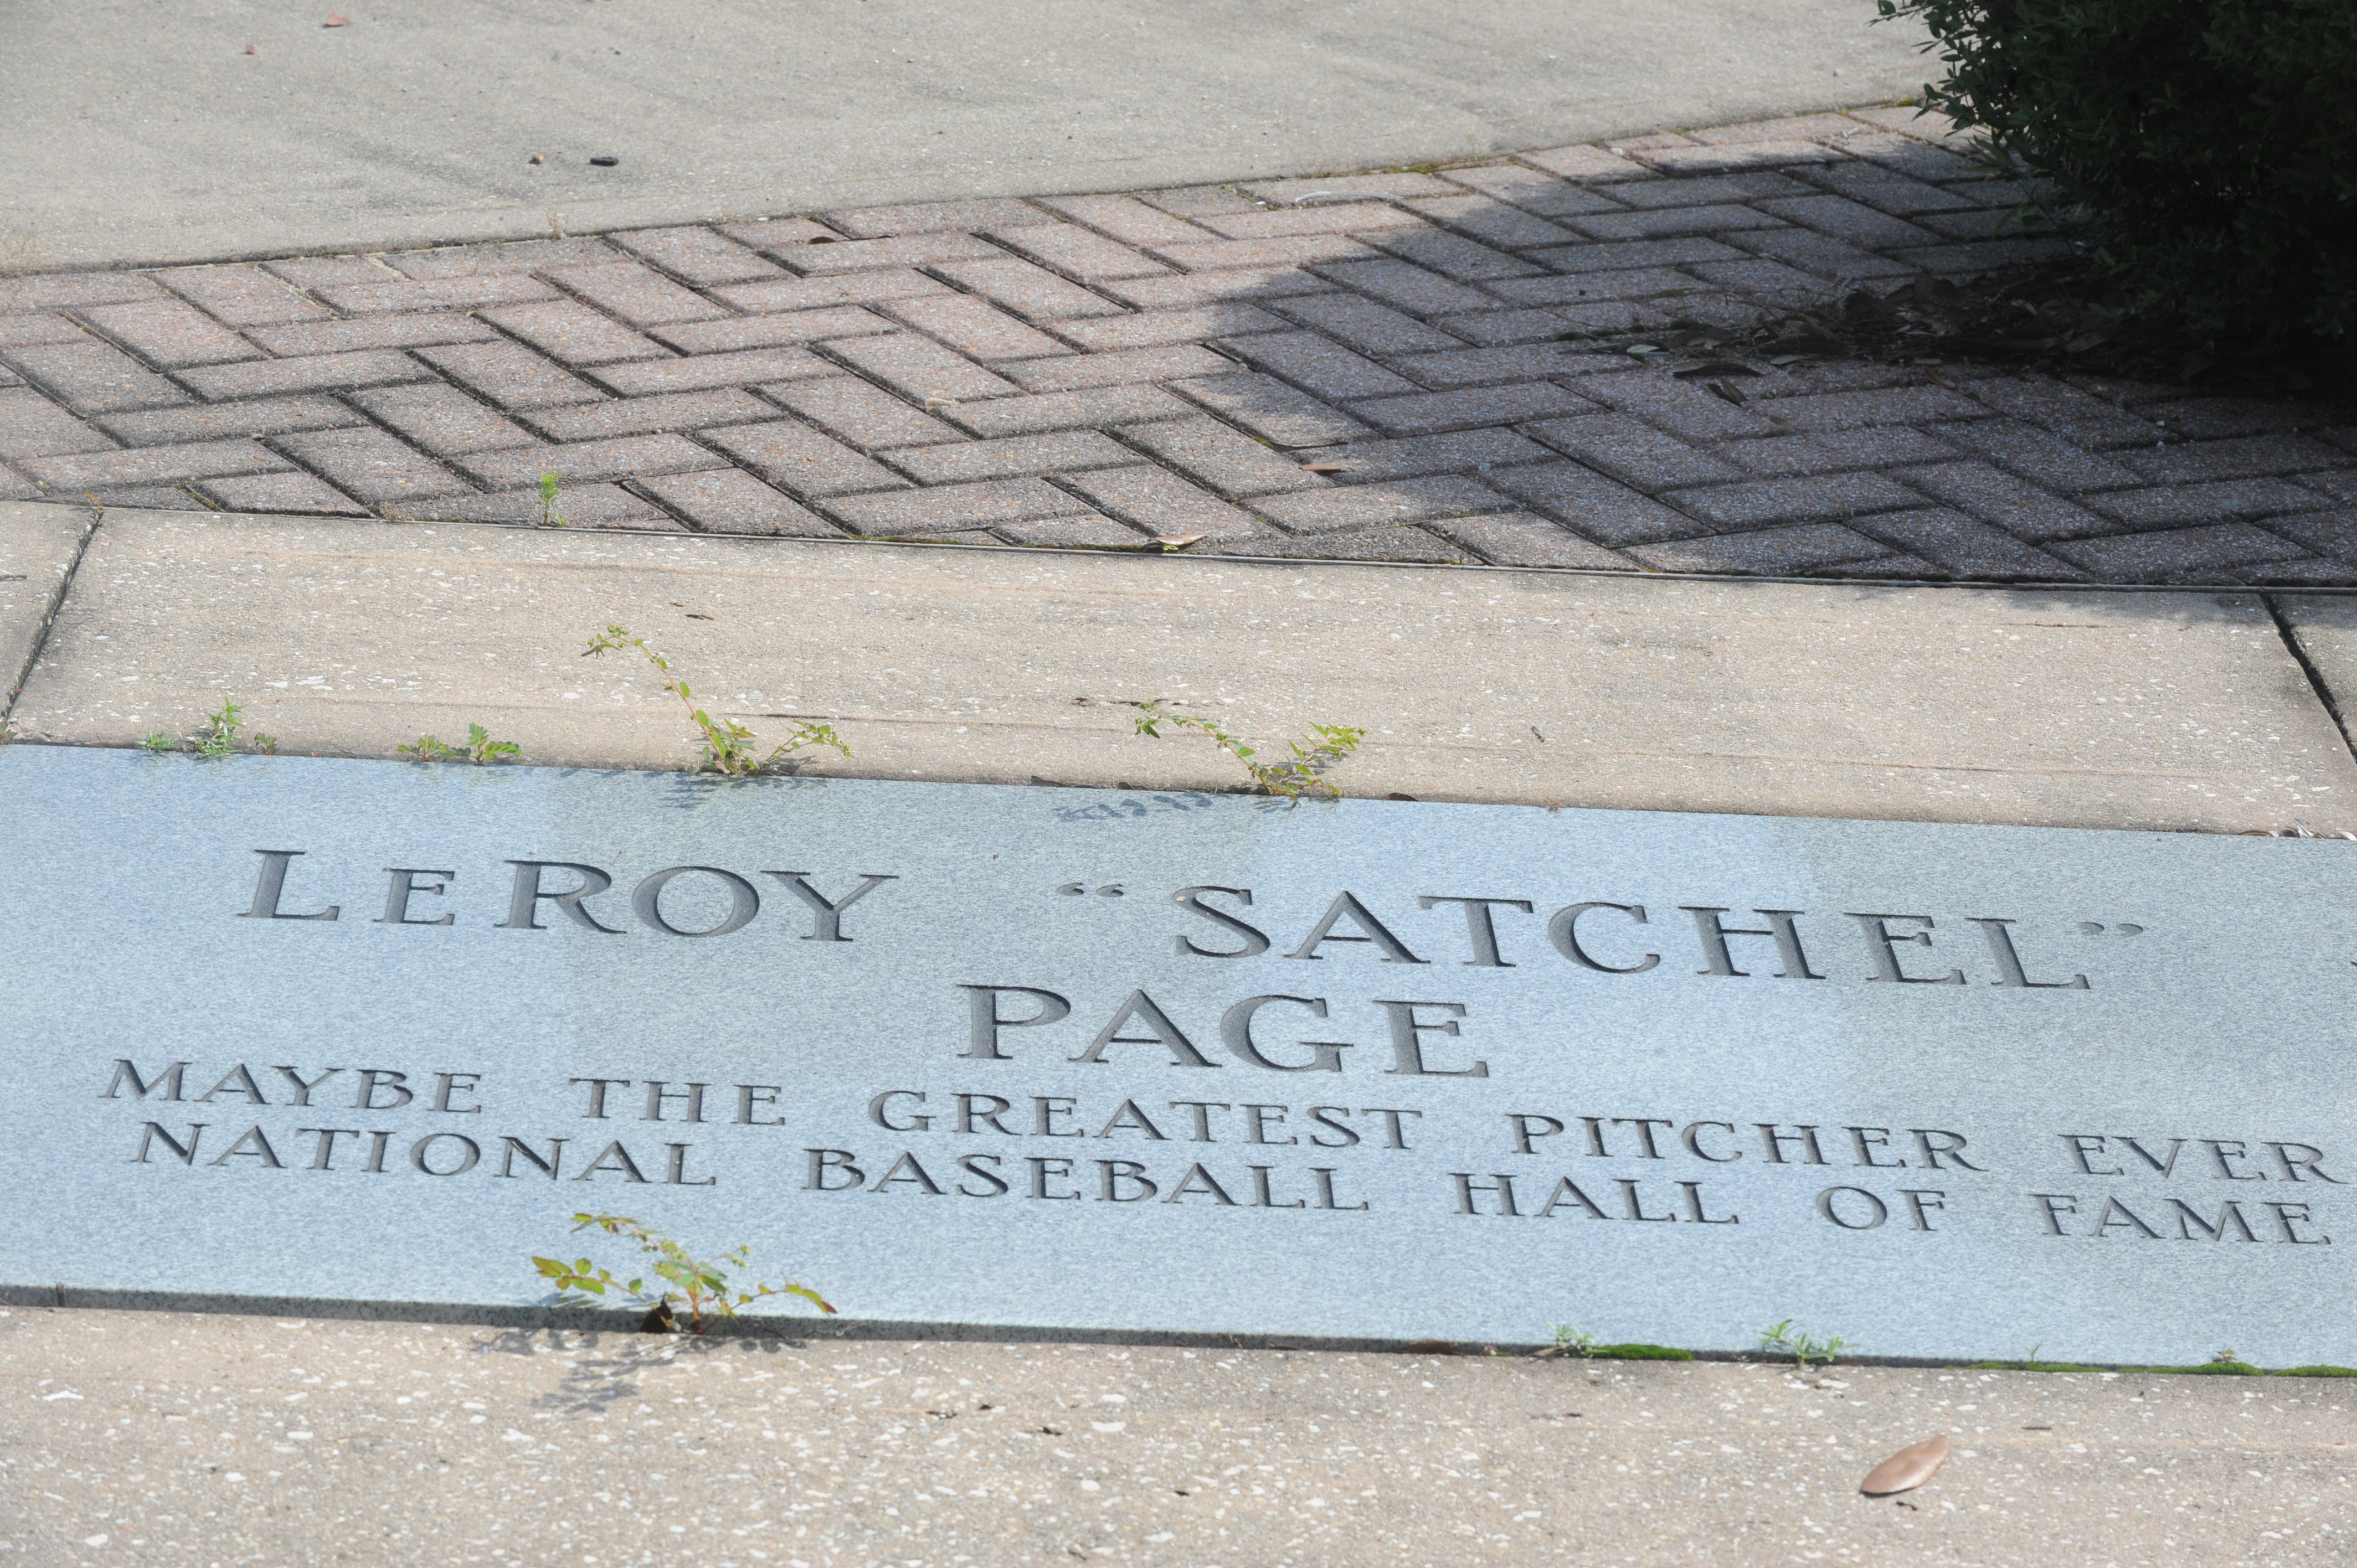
[219, 738]
[702, 1285]
[549, 516]
[478, 747]
[1786, 1339]
[1291, 776]
[729, 747]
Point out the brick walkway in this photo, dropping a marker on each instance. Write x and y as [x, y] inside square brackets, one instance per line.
[1407, 366]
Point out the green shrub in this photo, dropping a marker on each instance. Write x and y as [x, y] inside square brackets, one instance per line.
[2214, 143]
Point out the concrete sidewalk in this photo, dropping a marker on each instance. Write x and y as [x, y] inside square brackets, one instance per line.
[135, 1438]
[148, 1438]
[141, 132]
[2057, 708]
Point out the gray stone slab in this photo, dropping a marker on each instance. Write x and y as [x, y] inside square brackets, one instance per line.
[39, 545]
[1179, 1063]
[2054, 708]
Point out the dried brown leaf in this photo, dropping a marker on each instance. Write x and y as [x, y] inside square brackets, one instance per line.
[1907, 1469]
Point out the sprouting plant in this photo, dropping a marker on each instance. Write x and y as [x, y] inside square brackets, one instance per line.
[1567, 1338]
[727, 745]
[478, 747]
[159, 741]
[1786, 1339]
[549, 516]
[1289, 777]
[702, 1285]
[220, 736]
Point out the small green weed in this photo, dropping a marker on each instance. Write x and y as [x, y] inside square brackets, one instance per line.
[1290, 777]
[478, 747]
[549, 516]
[219, 738]
[703, 1286]
[1567, 1338]
[727, 745]
[1786, 1339]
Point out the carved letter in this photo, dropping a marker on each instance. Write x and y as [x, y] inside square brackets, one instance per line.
[826, 916]
[1141, 1007]
[272, 882]
[405, 882]
[524, 900]
[982, 1003]
[1190, 898]
[744, 903]
[1879, 941]
[1393, 949]
[1715, 957]
[1563, 932]
[1480, 929]
[1236, 1031]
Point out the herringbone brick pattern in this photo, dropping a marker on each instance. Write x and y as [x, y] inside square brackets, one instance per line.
[1442, 366]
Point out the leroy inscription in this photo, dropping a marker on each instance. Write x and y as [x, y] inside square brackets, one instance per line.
[1045, 1058]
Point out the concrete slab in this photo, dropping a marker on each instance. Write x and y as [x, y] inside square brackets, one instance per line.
[39, 545]
[143, 1438]
[143, 132]
[2060, 708]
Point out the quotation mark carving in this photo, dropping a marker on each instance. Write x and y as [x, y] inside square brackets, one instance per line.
[1110, 890]
[2090, 927]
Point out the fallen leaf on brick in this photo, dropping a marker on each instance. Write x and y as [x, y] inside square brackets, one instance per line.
[337, 20]
[1907, 1469]
[1714, 368]
[1178, 541]
[1321, 467]
[1726, 392]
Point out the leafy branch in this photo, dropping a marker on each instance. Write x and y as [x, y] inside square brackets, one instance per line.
[727, 745]
[703, 1286]
[1289, 777]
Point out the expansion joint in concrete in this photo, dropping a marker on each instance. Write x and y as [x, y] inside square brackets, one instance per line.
[2307, 667]
[49, 619]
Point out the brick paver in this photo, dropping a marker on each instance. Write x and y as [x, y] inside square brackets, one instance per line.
[1442, 366]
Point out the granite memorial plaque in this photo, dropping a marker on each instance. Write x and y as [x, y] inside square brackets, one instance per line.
[1061, 1059]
